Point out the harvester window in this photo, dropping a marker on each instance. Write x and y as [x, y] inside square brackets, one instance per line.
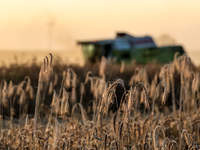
[88, 50]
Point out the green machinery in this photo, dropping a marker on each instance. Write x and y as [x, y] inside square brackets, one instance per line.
[127, 48]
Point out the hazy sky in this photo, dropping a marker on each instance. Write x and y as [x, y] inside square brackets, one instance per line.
[25, 23]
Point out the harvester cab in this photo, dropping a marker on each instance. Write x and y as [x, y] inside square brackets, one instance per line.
[127, 48]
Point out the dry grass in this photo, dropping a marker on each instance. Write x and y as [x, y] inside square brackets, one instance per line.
[101, 106]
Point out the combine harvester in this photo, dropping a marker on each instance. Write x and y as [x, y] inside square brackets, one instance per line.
[127, 48]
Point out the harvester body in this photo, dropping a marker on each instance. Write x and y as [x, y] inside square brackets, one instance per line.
[127, 48]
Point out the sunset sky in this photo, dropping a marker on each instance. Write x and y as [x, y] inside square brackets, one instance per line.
[25, 23]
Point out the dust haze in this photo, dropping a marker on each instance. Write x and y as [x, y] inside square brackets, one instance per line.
[34, 38]
[33, 34]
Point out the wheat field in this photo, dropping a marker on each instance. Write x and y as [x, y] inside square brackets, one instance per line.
[113, 107]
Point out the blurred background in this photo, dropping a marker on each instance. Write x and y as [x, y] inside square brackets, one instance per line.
[31, 29]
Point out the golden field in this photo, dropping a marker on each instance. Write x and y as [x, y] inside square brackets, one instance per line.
[53, 106]
[68, 56]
